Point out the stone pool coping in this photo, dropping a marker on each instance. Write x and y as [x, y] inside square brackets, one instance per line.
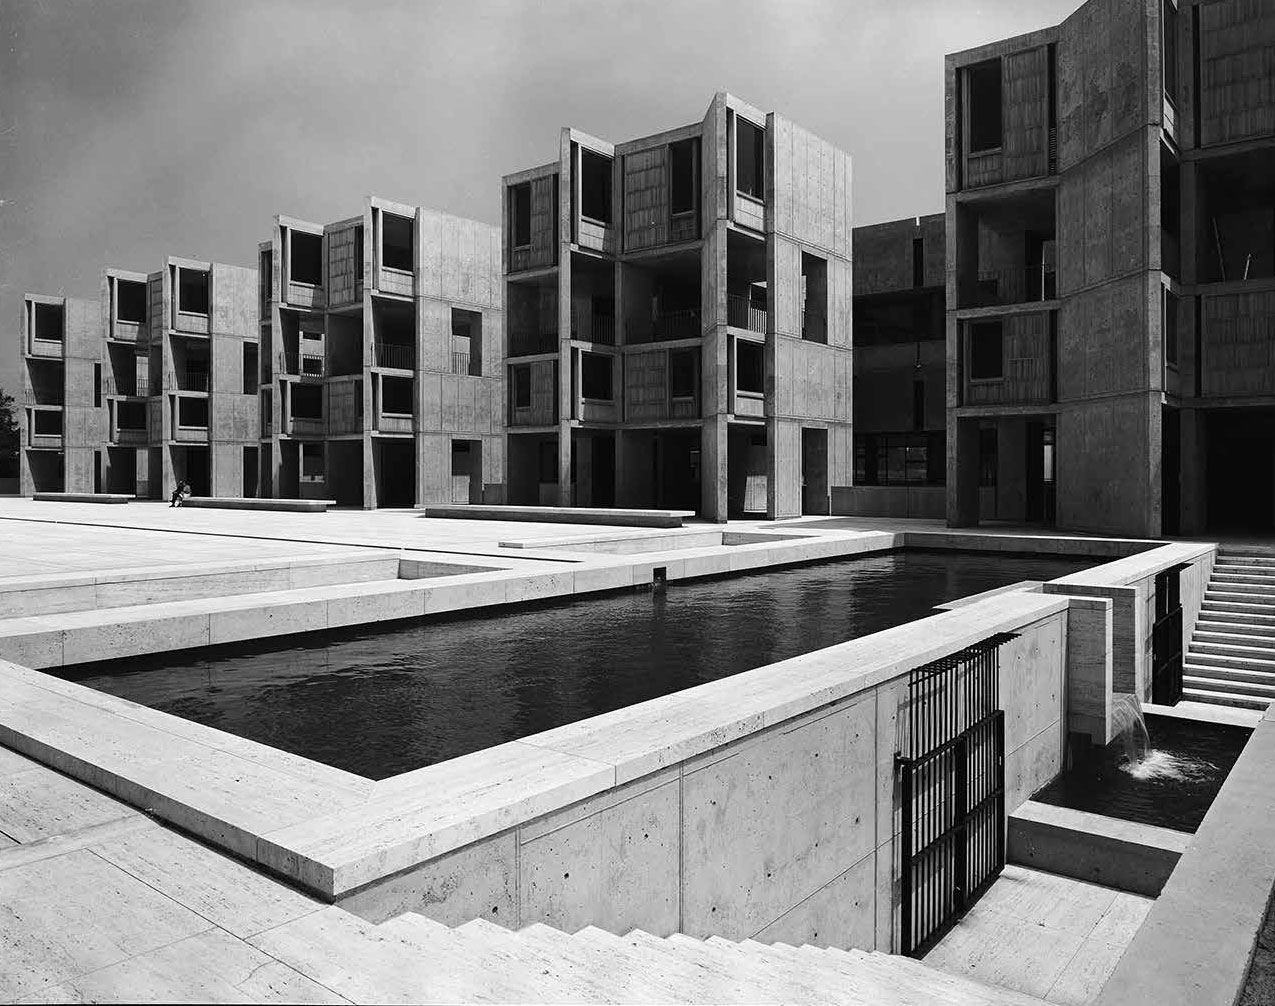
[1196, 945]
[333, 832]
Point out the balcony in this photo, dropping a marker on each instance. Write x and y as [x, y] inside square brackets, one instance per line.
[532, 343]
[123, 387]
[392, 422]
[750, 404]
[461, 363]
[130, 437]
[1237, 343]
[1019, 285]
[303, 365]
[49, 349]
[45, 424]
[745, 313]
[588, 327]
[666, 326]
[393, 356]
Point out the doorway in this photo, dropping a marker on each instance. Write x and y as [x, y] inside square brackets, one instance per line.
[1241, 469]
[814, 471]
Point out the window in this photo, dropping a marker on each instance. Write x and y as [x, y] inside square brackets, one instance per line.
[750, 367]
[986, 359]
[814, 308]
[97, 385]
[305, 264]
[750, 159]
[918, 405]
[306, 401]
[1169, 323]
[396, 396]
[249, 368]
[918, 261]
[595, 376]
[1169, 29]
[312, 463]
[192, 412]
[130, 415]
[520, 210]
[682, 176]
[130, 301]
[46, 423]
[47, 319]
[522, 387]
[898, 459]
[683, 380]
[396, 242]
[984, 92]
[467, 342]
[192, 291]
[595, 186]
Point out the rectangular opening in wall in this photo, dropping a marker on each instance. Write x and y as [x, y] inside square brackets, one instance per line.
[988, 451]
[1169, 49]
[396, 396]
[984, 106]
[986, 346]
[312, 463]
[97, 385]
[750, 158]
[305, 263]
[192, 413]
[46, 422]
[595, 186]
[814, 308]
[522, 387]
[520, 212]
[130, 416]
[250, 368]
[467, 342]
[595, 377]
[130, 301]
[1169, 326]
[192, 291]
[918, 405]
[396, 242]
[548, 461]
[306, 401]
[683, 367]
[750, 367]
[918, 262]
[683, 184]
[48, 322]
[250, 464]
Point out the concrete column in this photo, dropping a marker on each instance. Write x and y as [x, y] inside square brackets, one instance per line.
[962, 473]
[713, 454]
[369, 473]
[1011, 469]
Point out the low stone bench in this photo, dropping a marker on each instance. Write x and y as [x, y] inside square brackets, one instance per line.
[243, 503]
[83, 497]
[562, 515]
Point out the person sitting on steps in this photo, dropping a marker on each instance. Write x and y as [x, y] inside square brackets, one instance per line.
[180, 493]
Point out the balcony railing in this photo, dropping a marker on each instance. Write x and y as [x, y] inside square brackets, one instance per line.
[588, 327]
[531, 343]
[462, 363]
[303, 364]
[191, 380]
[1018, 285]
[122, 386]
[395, 357]
[665, 326]
[743, 312]
[131, 435]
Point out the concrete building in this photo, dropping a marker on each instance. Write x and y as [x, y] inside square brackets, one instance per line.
[381, 370]
[151, 383]
[900, 412]
[679, 319]
[1111, 271]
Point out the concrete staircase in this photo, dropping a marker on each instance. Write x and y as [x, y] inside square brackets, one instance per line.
[1231, 657]
[414, 959]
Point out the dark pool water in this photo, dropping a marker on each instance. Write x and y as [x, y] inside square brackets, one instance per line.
[383, 701]
[1173, 787]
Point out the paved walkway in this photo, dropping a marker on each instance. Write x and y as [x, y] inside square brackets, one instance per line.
[1047, 936]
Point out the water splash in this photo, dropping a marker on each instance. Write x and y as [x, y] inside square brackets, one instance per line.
[1130, 727]
[1165, 765]
[1141, 760]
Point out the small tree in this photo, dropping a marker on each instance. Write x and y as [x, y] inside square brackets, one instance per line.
[9, 436]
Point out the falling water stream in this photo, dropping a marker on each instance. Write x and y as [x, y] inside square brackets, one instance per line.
[1141, 760]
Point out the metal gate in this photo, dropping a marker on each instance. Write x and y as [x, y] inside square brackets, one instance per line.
[952, 775]
[1166, 638]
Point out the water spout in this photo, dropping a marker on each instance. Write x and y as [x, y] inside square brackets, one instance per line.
[1130, 727]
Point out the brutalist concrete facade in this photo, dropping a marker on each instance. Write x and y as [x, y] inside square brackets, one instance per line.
[381, 370]
[1111, 283]
[900, 412]
[679, 319]
[144, 386]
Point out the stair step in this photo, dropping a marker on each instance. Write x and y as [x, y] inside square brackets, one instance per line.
[1225, 578]
[1256, 689]
[1198, 658]
[668, 974]
[1223, 698]
[1230, 624]
[757, 977]
[1250, 605]
[1228, 591]
[1228, 673]
[1230, 645]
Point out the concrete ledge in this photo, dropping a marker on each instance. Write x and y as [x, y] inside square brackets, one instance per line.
[243, 503]
[1196, 945]
[563, 515]
[1103, 850]
[84, 497]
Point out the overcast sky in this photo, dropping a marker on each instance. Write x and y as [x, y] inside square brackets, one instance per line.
[135, 129]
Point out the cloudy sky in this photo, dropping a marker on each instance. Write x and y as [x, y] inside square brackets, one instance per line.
[134, 129]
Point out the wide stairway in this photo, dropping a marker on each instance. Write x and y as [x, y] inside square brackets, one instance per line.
[1231, 658]
[414, 959]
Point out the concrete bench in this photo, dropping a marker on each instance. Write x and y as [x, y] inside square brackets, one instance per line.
[241, 503]
[83, 497]
[562, 515]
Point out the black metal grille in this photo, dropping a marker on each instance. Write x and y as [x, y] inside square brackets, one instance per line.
[952, 775]
[1166, 638]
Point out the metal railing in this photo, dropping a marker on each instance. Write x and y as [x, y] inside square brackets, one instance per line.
[743, 312]
[530, 343]
[113, 386]
[397, 357]
[588, 327]
[1016, 285]
[303, 364]
[464, 363]
[190, 380]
